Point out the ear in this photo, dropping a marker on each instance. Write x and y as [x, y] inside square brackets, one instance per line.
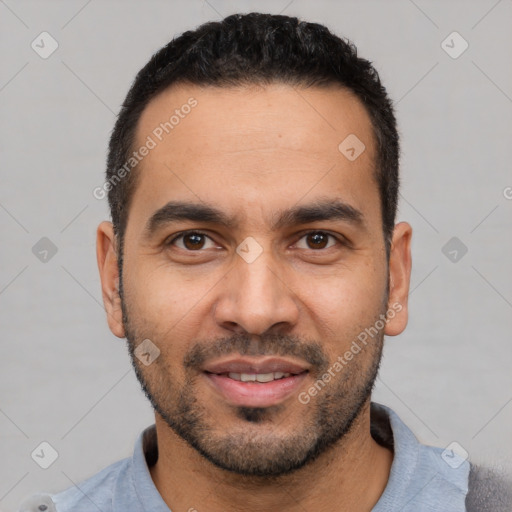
[106, 253]
[399, 279]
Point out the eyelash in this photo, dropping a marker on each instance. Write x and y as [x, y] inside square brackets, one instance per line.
[195, 232]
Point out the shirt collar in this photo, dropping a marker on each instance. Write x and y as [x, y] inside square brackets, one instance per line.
[386, 427]
[136, 485]
[418, 471]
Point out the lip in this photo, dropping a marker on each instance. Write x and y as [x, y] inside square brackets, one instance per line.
[255, 394]
[261, 365]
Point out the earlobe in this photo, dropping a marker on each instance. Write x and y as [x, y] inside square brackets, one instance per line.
[400, 263]
[106, 253]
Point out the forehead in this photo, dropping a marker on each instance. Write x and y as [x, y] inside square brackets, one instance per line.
[314, 117]
[254, 145]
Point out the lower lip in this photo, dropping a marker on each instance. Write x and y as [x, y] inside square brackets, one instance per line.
[255, 394]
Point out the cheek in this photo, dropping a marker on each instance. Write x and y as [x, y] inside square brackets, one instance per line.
[344, 305]
[161, 308]
[163, 299]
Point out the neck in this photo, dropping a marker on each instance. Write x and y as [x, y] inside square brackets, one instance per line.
[351, 475]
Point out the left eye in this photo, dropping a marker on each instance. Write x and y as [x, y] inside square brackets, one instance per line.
[317, 240]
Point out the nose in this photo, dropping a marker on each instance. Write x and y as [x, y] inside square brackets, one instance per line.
[256, 298]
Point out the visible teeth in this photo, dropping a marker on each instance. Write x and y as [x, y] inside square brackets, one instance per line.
[264, 377]
[258, 377]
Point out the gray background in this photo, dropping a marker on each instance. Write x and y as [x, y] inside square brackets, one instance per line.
[66, 379]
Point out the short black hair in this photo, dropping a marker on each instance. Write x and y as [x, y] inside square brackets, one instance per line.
[256, 48]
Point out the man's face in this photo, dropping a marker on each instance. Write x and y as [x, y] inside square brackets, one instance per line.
[227, 298]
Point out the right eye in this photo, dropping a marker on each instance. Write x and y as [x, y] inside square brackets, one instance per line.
[190, 241]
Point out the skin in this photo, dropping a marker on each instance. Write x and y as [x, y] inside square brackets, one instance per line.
[252, 152]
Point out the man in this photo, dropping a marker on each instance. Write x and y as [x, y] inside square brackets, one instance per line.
[254, 266]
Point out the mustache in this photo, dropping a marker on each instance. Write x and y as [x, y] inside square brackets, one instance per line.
[266, 345]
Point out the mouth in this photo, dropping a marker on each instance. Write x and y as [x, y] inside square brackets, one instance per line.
[255, 383]
[256, 377]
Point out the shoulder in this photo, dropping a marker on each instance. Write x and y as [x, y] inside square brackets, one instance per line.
[424, 463]
[94, 493]
[423, 477]
[441, 478]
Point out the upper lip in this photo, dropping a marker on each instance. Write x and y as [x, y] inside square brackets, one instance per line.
[248, 365]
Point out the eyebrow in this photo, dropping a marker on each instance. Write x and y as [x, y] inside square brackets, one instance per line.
[320, 210]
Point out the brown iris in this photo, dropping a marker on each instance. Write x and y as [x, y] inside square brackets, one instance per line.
[318, 240]
[193, 241]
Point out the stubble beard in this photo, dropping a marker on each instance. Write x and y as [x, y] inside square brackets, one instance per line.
[255, 446]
